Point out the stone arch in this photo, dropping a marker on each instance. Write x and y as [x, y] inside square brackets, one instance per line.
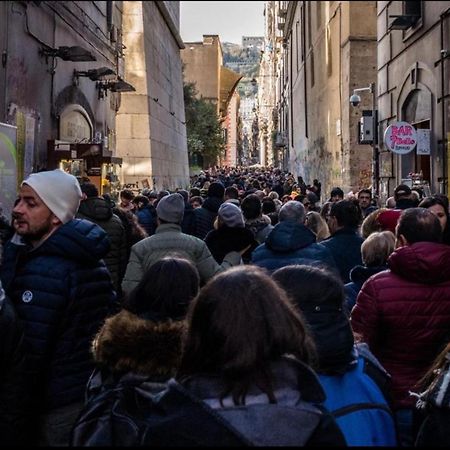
[71, 95]
[423, 88]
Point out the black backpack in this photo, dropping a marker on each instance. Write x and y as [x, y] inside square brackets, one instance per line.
[129, 414]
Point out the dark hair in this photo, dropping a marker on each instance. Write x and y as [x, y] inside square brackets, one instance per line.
[89, 189]
[141, 199]
[337, 191]
[239, 323]
[196, 198]
[157, 297]
[365, 191]
[441, 200]
[319, 294]
[419, 225]
[347, 213]
[127, 194]
[232, 192]
[268, 206]
[194, 192]
[251, 207]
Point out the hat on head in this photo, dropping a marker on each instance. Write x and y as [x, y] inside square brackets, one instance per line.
[59, 190]
[171, 208]
[216, 189]
[388, 219]
[231, 215]
[402, 189]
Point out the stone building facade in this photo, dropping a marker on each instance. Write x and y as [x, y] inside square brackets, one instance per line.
[42, 100]
[203, 65]
[414, 86]
[328, 49]
[151, 129]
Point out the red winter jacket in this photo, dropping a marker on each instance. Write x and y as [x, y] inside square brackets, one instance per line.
[404, 314]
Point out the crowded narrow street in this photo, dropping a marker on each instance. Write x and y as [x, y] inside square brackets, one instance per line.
[224, 223]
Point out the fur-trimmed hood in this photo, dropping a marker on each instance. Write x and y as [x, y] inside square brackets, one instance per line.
[127, 343]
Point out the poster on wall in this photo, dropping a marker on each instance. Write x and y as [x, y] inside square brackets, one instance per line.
[423, 142]
[8, 168]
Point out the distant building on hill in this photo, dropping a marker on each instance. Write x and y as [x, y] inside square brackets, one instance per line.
[253, 41]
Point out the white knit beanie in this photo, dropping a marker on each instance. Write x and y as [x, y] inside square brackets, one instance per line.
[59, 190]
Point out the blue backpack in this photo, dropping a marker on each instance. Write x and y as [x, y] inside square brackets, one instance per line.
[356, 401]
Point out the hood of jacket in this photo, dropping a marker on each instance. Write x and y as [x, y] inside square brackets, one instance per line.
[212, 204]
[128, 343]
[95, 208]
[79, 240]
[422, 262]
[288, 236]
[360, 274]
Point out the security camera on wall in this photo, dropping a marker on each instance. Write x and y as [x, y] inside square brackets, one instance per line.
[355, 99]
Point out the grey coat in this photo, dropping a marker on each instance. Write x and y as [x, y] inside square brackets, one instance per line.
[169, 240]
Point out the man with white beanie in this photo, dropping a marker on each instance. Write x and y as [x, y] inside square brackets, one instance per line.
[54, 274]
[170, 240]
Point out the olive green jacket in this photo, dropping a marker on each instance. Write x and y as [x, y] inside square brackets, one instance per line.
[169, 240]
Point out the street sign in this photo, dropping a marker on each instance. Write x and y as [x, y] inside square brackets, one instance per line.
[400, 138]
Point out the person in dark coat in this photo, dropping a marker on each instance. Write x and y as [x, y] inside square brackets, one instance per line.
[247, 356]
[345, 241]
[188, 224]
[97, 210]
[230, 234]
[55, 276]
[142, 344]
[206, 215]
[403, 313]
[375, 251]
[14, 383]
[145, 213]
[356, 385]
[291, 242]
[403, 197]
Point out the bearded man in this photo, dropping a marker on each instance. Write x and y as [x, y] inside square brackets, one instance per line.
[61, 289]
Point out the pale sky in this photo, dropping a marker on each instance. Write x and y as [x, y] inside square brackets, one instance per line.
[229, 19]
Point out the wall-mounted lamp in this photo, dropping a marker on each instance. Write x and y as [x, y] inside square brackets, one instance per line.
[94, 74]
[75, 53]
[118, 85]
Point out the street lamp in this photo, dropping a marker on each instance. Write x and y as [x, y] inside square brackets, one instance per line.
[355, 100]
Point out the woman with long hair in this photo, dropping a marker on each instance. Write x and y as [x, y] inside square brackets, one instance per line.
[247, 356]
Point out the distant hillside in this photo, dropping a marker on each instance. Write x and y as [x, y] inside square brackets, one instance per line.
[244, 61]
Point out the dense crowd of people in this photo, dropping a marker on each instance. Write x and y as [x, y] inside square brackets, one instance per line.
[251, 309]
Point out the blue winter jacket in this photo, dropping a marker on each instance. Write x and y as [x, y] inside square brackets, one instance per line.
[147, 219]
[345, 246]
[357, 402]
[62, 291]
[291, 243]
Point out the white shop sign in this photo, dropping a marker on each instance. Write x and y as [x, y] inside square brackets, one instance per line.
[400, 138]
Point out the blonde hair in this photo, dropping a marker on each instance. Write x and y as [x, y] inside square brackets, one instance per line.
[317, 224]
[376, 249]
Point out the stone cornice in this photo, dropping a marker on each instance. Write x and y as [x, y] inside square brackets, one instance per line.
[168, 19]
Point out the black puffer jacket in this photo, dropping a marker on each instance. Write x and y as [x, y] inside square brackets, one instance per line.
[98, 211]
[206, 215]
[62, 292]
[14, 385]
